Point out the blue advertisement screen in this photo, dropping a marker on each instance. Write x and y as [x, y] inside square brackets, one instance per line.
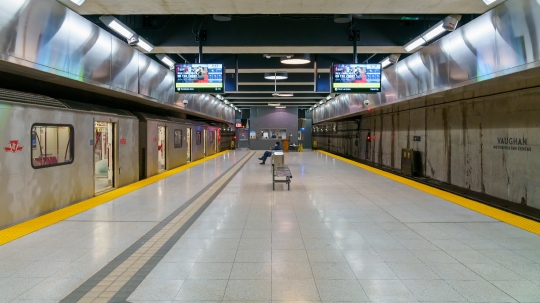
[199, 78]
[356, 78]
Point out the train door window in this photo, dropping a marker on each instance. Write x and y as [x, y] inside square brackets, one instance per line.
[188, 143]
[103, 156]
[177, 138]
[52, 145]
[205, 153]
[162, 148]
[216, 143]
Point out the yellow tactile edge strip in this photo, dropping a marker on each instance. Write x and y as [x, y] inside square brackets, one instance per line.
[22, 229]
[495, 213]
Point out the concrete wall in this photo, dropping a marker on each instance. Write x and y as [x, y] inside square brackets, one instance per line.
[270, 117]
[488, 144]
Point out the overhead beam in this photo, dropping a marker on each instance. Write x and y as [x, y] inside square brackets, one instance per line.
[278, 49]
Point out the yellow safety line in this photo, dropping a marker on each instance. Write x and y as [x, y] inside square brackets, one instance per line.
[512, 219]
[22, 229]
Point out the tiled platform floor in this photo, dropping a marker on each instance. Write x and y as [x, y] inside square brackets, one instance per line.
[341, 234]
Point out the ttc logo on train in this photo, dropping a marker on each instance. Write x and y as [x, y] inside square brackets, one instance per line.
[13, 146]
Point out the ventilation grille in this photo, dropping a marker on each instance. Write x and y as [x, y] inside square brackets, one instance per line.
[27, 98]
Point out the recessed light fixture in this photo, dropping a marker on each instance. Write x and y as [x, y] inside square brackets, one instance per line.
[434, 32]
[218, 97]
[274, 104]
[315, 106]
[281, 106]
[342, 18]
[385, 62]
[165, 59]
[328, 97]
[296, 59]
[222, 17]
[80, 2]
[226, 101]
[276, 76]
[283, 94]
[117, 26]
[448, 24]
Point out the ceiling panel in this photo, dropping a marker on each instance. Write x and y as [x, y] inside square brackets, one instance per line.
[126, 7]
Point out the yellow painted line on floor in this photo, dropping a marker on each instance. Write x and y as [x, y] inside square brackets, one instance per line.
[495, 213]
[22, 229]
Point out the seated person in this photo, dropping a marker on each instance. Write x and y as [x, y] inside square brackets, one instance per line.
[274, 136]
[269, 153]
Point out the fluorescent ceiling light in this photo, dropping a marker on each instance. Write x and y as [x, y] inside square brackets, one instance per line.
[296, 59]
[385, 62]
[414, 44]
[328, 97]
[281, 106]
[146, 45]
[219, 97]
[321, 102]
[78, 2]
[434, 31]
[315, 106]
[165, 59]
[274, 104]
[117, 26]
[226, 101]
[282, 94]
[488, 2]
[276, 76]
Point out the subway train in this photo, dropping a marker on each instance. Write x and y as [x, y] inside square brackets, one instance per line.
[58, 152]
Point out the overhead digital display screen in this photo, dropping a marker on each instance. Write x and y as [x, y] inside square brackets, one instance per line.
[356, 78]
[199, 78]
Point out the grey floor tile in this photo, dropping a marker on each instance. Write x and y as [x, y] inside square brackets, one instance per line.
[256, 256]
[325, 255]
[338, 271]
[171, 271]
[341, 291]
[248, 290]
[217, 255]
[522, 291]
[494, 272]
[291, 271]
[373, 271]
[156, 290]
[202, 290]
[251, 271]
[413, 271]
[292, 255]
[207, 271]
[480, 291]
[387, 291]
[433, 291]
[295, 290]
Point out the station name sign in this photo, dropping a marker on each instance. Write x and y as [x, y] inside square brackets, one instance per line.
[519, 144]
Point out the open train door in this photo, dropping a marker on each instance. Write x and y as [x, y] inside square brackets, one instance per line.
[104, 159]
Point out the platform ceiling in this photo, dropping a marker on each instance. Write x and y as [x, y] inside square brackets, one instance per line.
[128, 7]
[278, 27]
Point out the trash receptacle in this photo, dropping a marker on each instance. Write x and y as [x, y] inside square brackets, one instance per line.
[409, 162]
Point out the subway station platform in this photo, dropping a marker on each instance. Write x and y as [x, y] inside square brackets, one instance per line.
[217, 232]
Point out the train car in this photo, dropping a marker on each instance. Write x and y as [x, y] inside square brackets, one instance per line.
[57, 152]
[165, 143]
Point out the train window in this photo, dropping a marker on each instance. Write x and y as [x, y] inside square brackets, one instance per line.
[211, 135]
[177, 138]
[198, 138]
[52, 145]
[268, 133]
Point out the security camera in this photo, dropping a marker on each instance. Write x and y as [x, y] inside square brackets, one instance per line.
[450, 22]
[133, 41]
[185, 101]
[366, 102]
